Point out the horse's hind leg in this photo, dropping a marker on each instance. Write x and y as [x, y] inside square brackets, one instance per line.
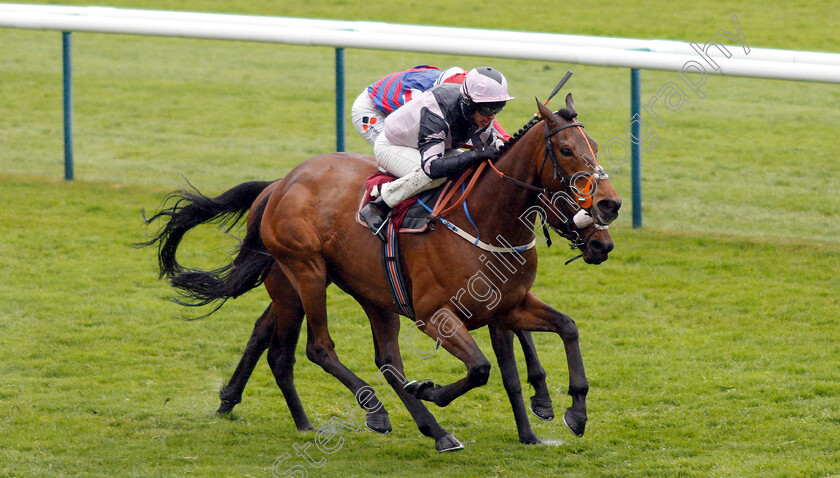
[386, 328]
[376, 417]
[502, 341]
[287, 315]
[281, 359]
[231, 394]
[541, 405]
[296, 245]
[309, 277]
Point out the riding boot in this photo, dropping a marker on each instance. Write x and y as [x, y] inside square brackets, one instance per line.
[375, 215]
[403, 188]
[380, 207]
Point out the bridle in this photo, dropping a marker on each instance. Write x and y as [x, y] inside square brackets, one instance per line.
[569, 230]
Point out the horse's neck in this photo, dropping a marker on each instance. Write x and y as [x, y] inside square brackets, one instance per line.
[499, 204]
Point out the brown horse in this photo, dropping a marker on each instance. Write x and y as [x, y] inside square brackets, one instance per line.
[308, 225]
[278, 328]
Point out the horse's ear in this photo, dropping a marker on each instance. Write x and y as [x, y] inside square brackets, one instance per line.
[570, 103]
[544, 111]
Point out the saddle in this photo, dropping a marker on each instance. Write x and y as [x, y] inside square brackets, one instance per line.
[409, 216]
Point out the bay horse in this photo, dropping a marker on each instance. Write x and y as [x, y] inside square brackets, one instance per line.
[308, 226]
[278, 328]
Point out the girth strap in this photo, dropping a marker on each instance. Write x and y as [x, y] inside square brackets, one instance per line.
[393, 271]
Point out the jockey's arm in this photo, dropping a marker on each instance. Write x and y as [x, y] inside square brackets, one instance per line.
[432, 145]
[431, 139]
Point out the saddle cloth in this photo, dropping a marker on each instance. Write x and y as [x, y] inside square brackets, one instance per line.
[408, 216]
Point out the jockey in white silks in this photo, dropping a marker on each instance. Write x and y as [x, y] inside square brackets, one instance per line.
[418, 144]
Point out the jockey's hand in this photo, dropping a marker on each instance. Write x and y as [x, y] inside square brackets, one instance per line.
[486, 153]
[454, 165]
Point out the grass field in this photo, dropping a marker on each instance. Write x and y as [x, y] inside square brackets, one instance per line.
[710, 337]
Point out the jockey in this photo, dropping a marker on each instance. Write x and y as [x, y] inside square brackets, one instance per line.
[419, 140]
[383, 97]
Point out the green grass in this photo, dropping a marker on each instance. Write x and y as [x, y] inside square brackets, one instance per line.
[710, 336]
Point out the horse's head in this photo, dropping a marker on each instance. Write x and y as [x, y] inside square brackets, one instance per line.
[574, 169]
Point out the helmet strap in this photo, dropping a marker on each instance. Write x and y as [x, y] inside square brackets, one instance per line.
[467, 109]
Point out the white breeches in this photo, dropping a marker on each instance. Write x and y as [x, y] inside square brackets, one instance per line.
[404, 163]
[368, 121]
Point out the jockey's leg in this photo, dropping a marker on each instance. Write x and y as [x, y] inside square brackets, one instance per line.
[403, 188]
[404, 163]
[395, 159]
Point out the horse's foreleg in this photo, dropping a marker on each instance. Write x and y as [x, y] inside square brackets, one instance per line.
[534, 314]
[386, 328]
[231, 394]
[541, 401]
[460, 344]
[502, 341]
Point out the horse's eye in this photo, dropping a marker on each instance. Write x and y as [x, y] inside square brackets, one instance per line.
[566, 152]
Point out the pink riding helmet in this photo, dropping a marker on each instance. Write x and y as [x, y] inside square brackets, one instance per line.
[485, 85]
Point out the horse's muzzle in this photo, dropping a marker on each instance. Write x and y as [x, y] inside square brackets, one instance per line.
[597, 250]
[606, 211]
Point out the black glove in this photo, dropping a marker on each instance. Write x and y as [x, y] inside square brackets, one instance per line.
[455, 165]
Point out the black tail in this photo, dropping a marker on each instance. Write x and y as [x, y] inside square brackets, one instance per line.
[190, 209]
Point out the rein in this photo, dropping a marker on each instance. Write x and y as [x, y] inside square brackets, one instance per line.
[585, 199]
[440, 209]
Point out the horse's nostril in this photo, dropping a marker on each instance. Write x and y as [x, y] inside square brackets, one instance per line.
[601, 247]
[608, 207]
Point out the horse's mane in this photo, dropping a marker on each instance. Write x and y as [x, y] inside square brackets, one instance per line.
[565, 113]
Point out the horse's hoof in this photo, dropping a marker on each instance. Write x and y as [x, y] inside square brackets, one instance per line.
[306, 428]
[226, 407]
[542, 409]
[417, 387]
[575, 422]
[378, 422]
[530, 440]
[448, 442]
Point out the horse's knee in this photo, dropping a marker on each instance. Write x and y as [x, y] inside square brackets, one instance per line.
[579, 390]
[384, 360]
[479, 374]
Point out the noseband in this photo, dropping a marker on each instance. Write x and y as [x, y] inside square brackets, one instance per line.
[568, 230]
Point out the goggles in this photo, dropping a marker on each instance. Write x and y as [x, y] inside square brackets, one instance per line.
[489, 109]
